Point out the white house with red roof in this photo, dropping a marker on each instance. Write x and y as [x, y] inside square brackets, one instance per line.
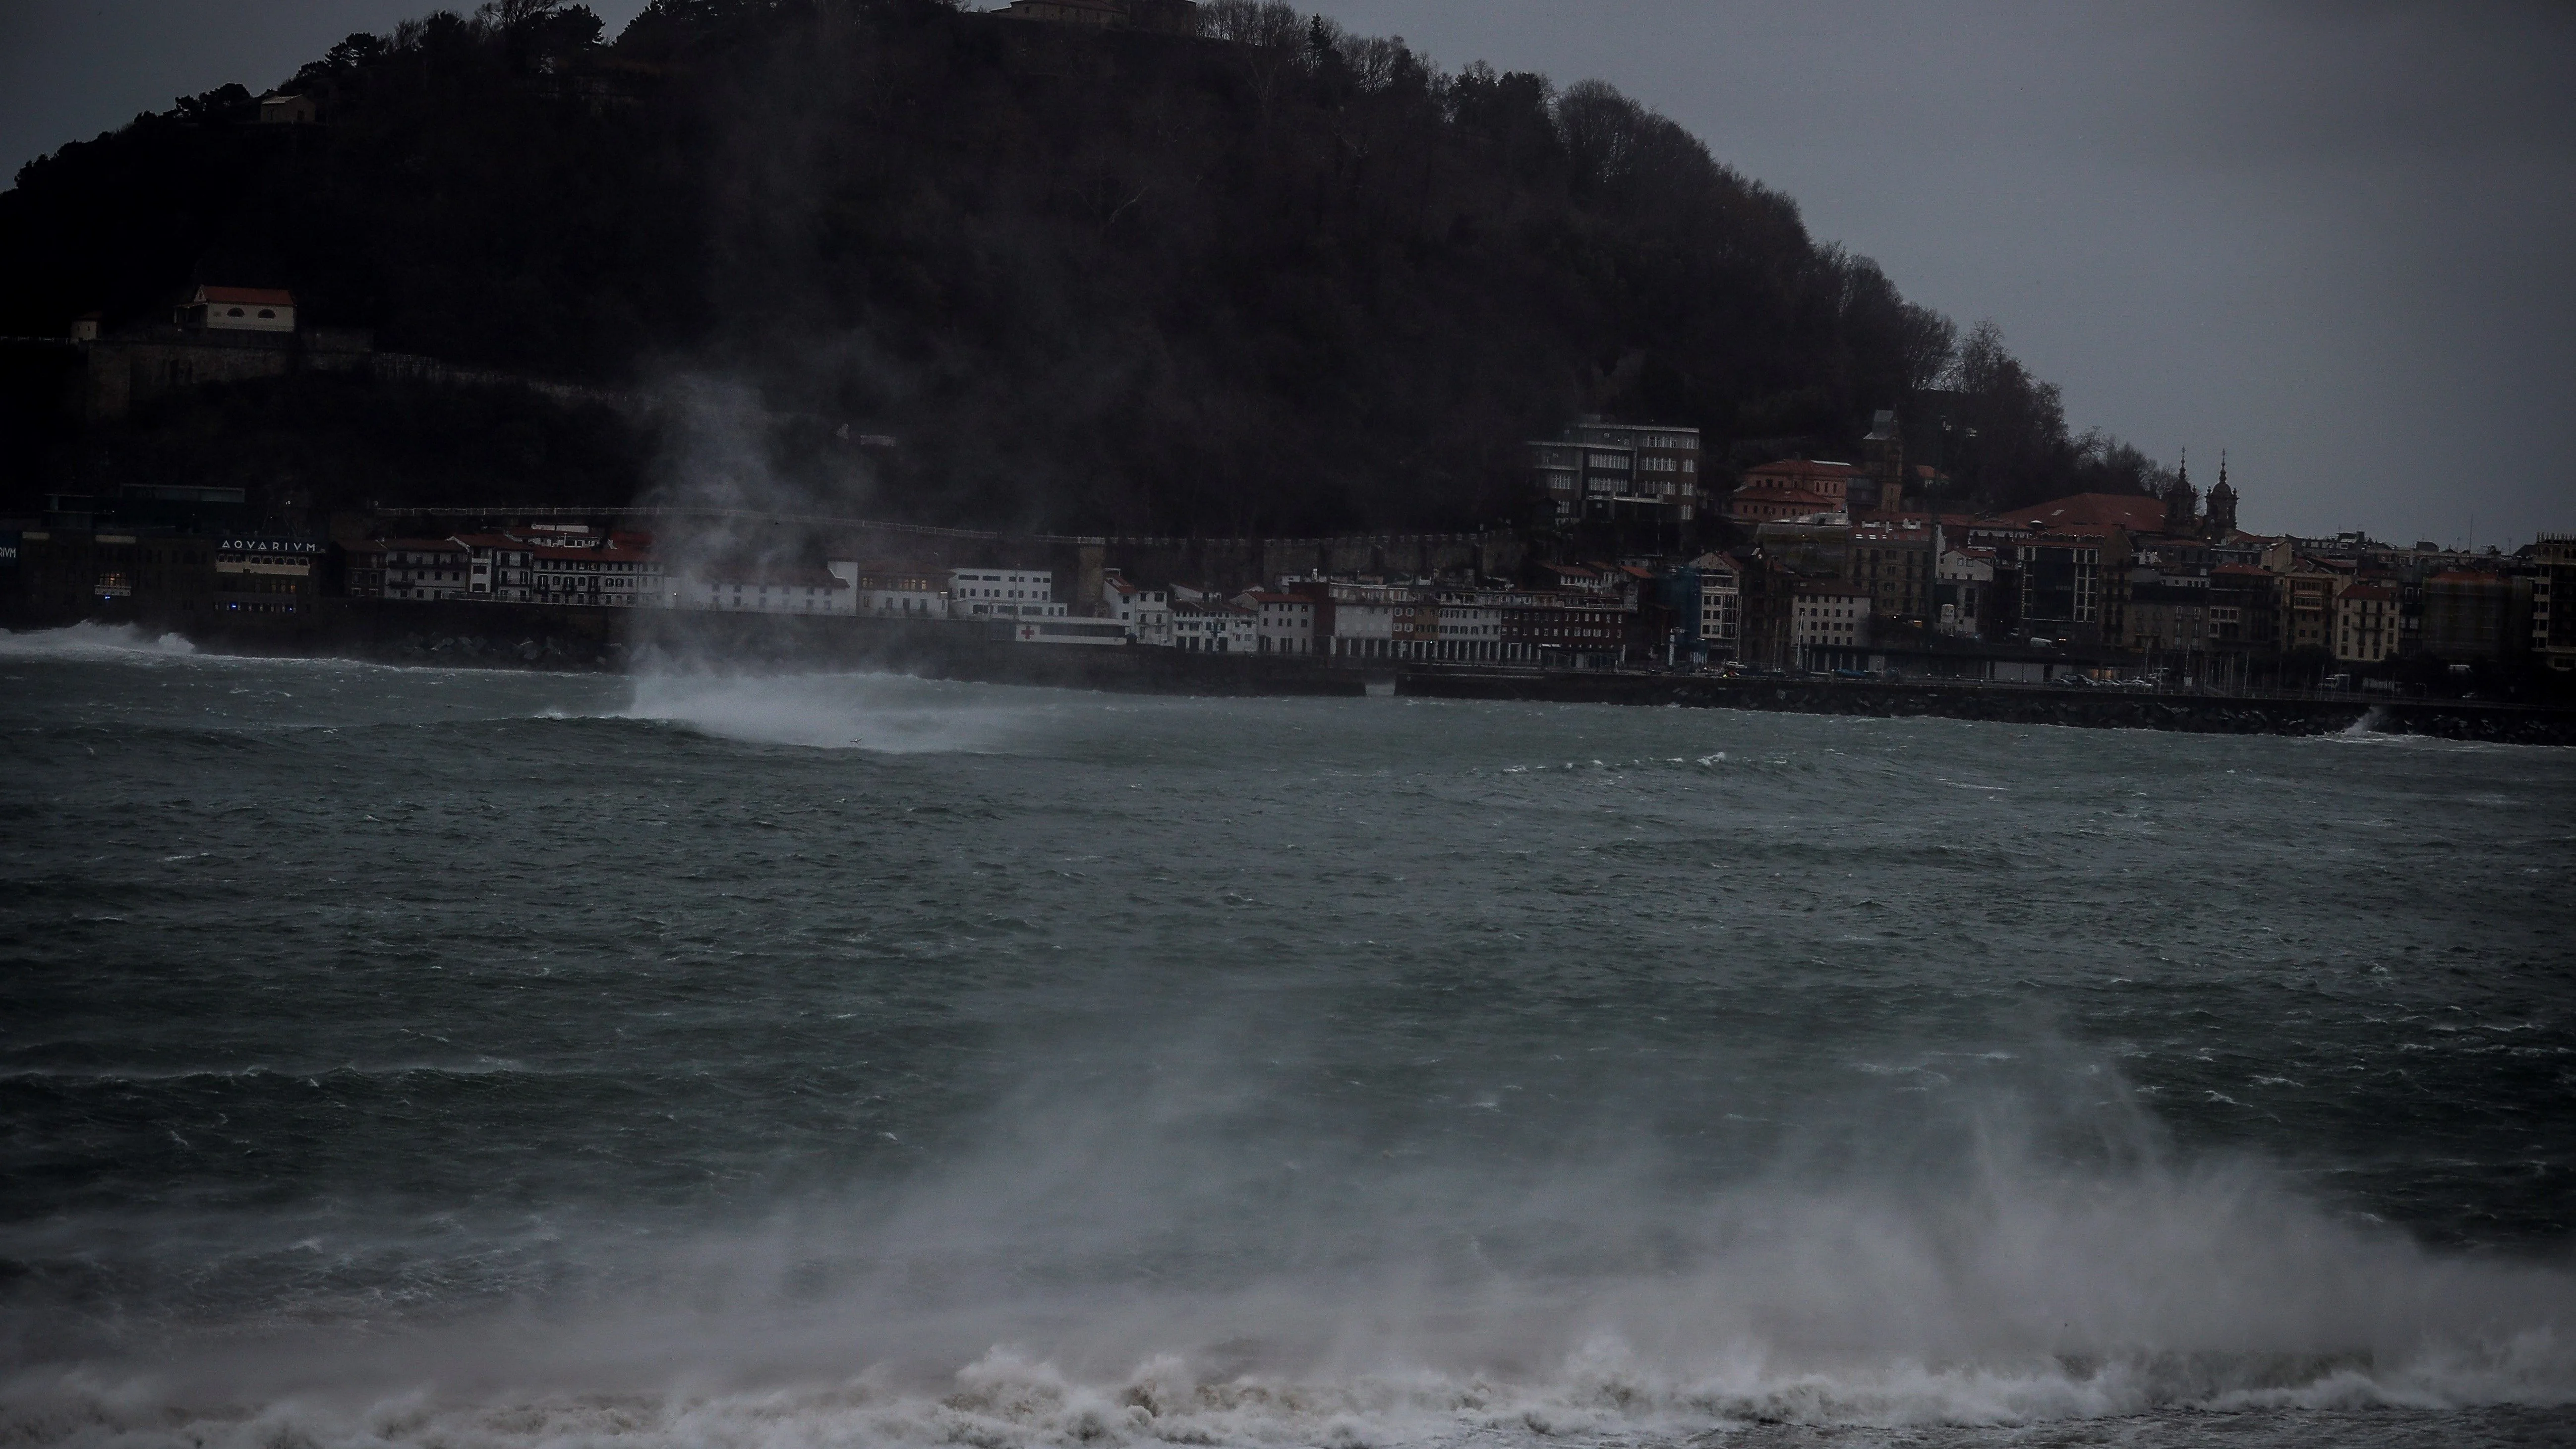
[239, 309]
[608, 575]
[1285, 623]
[500, 565]
[1147, 613]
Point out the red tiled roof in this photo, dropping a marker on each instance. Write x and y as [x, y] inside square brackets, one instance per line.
[1805, 468]
[2133, 511]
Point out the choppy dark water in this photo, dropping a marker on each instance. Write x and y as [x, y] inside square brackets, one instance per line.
[426, 1059]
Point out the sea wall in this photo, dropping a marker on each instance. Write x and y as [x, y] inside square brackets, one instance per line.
[529, 636]
[535, 636]
[2013, 704]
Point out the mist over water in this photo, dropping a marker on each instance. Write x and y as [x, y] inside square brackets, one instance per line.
[445, 1058]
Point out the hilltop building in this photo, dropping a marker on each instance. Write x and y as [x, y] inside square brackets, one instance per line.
[1602, 470]
[239, 309]
[1792, 488]
[286, 108]
[219, 334]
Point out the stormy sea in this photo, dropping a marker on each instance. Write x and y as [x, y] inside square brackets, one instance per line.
[454, 1059]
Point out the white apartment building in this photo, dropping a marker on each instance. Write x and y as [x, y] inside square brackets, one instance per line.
[501, 567]
[1721, 606]
[1215, 628]
[607, 575]
[768, 589]
[1147, 613]
[1966, 576]
[1364, 628]
[1470, 632]
[427, 568]
[1284, 623]
[1003, 593]
[1829, 624]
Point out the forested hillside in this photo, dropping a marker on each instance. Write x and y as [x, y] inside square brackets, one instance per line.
[1270, 278]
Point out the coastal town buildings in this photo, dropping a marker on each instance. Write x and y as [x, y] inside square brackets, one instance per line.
[2164, 587]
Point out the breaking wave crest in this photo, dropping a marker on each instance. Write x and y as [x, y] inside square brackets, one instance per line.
[1007, 1399]
[1118, 1280]
[90, 640]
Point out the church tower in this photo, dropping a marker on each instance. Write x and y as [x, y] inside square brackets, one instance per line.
[2182, 504]
[2222, 506]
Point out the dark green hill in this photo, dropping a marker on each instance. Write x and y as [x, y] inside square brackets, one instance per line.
[1281, 281]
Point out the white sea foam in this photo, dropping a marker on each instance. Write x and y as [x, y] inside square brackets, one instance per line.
[89, 640]
[1007, 1398]
[1117, 1278]
[889, 714]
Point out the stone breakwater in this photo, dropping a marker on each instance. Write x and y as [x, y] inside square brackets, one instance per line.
[2016, 704]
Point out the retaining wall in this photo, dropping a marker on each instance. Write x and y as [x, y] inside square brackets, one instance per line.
[2095, 708]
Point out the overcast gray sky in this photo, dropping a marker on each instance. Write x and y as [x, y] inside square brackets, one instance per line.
[2338, 240]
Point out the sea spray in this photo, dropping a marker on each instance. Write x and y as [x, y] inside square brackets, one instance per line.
[90, 639]
[492, 1068]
